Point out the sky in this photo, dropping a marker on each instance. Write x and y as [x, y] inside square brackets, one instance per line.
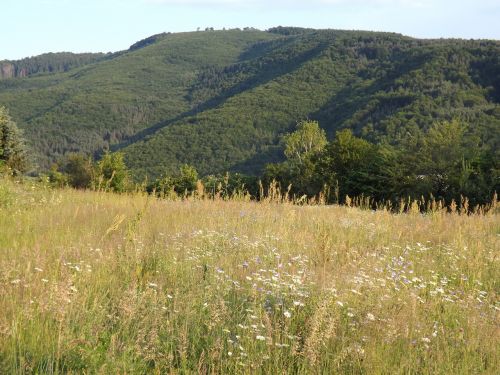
[32, 27]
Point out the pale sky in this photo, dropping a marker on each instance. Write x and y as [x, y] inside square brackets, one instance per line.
[32, 27]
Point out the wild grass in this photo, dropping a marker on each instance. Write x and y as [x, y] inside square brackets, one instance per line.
[93, 282]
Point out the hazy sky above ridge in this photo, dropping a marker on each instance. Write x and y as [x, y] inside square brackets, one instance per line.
[32, 27]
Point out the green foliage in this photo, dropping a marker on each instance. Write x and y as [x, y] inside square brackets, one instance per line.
[47, 63]
[289, 30]
[406, 117]
[231, 185]
[57, 178]
[222, 100]
[77, 169]
[121, 99]
[379, 175]
[183, 182]
[186, 181]
[347, 152]
[147, 41]
[13, 155]
[444, 164]
[307, 140]
[112, 173]
[449, 163]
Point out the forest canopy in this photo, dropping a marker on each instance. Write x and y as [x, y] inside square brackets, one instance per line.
[417, 116]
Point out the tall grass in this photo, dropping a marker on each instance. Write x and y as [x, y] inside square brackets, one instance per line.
[93, 282]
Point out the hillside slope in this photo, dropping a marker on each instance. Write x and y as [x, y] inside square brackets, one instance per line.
[221, 100]
[47, 63]
[89, 108]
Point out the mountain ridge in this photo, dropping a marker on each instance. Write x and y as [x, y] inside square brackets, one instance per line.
[220, 100]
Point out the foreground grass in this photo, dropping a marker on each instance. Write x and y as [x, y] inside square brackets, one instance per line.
[102, 283]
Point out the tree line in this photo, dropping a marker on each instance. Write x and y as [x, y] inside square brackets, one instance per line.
[49, 63]
[445, 164]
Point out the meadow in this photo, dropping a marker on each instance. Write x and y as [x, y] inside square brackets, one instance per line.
[95, 282]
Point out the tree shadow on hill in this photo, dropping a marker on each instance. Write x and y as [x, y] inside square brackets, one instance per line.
[341, 107]
[271, 72]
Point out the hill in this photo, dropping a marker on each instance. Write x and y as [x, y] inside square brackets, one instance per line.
[220, 100]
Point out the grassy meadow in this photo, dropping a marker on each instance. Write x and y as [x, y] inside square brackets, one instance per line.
[94, 282]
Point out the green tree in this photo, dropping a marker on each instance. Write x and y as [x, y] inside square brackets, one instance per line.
[379, 175]
[13, 153]
[187, 179]
[183, 182]
[308, 139]
[341, 160]
[302, 148]
[56, 177]
[79, 170]
[230, 184]
[442, 166]
[112, 173]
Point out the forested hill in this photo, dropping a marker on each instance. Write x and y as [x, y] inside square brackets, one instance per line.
[221, 100]
[46, 63]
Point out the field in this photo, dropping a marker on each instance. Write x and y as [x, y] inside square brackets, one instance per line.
[94, 282]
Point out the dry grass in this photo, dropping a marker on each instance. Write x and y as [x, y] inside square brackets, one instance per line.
[102, 283]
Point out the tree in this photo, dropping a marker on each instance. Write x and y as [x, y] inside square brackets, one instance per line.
[379, 176]
[341, 159]
[441, 165]
[302, 148]
[79, 170]
[13, 153]
[308, 139]
[112, 172]
[183, 182]
[56, 177]
[187, 179]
